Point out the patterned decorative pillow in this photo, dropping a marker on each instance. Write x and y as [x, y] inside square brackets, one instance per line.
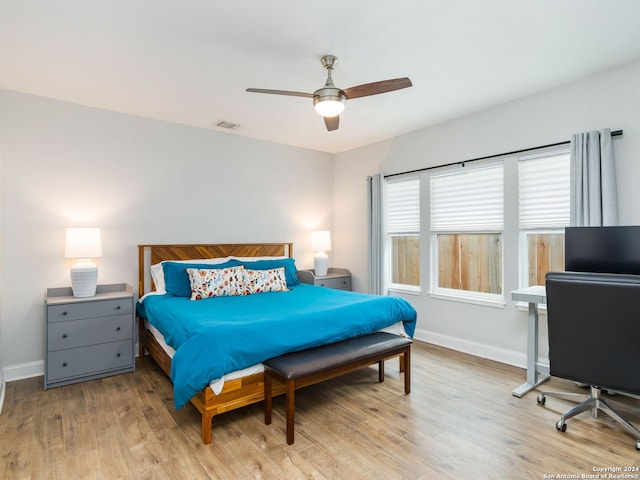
[221, 282]
[257, 281]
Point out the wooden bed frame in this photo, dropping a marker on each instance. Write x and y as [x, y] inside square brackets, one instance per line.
[235, 393]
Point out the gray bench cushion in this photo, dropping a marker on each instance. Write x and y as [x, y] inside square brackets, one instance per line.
[306, 362]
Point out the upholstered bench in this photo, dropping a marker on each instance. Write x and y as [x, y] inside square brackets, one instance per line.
[300, 369]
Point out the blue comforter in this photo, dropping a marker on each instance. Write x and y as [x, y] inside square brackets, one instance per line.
[216, 336]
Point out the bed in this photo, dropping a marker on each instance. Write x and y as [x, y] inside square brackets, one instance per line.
[236, 383]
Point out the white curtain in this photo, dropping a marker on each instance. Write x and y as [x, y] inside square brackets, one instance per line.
[375, 226]
[593, 180]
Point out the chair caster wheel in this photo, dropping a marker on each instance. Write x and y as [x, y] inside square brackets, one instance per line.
[561, 426]
[541, 399]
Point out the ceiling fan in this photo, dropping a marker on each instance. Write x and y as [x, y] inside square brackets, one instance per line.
[329, 101]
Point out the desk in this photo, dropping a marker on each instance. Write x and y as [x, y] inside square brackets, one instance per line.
[534, 296]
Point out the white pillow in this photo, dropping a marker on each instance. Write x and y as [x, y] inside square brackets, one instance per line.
[252, 259]
[157, 274]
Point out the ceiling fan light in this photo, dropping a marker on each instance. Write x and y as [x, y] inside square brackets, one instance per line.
[329, 108]
[329, 102]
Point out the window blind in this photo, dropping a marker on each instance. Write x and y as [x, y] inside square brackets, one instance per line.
[471, 200]
[544, 191]
[403, 206]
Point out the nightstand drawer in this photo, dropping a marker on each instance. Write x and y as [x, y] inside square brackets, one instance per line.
[336, 278]
[75, 311]
[89, 331]
[339, 283]
[89, 360]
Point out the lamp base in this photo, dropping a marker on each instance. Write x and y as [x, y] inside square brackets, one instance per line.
[321, 264]
[84, 278]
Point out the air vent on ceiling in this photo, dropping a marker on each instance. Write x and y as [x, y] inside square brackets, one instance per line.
[227, 125]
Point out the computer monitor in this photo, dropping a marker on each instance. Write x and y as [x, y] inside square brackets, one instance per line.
[602, 249]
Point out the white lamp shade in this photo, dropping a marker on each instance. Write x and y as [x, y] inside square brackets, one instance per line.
[83, 242]
[321, 241]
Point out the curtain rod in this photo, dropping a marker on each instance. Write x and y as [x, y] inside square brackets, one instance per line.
[614, 133]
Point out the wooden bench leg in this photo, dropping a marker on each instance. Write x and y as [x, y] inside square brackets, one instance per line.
[381, 371]
[268, 398]
[291, 403]
[407, 371]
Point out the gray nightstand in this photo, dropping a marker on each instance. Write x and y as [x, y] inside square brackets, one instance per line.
[339, 278]
[90, 337]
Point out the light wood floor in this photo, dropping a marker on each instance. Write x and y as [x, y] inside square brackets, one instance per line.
[459, 422]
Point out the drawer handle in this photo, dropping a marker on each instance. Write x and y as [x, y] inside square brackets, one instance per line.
[64, 335]
[64, 313]
[118, 307]
[117, 355]
[64, 364]
[118, 329]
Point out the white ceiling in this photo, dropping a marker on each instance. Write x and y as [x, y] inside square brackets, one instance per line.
[190, 61]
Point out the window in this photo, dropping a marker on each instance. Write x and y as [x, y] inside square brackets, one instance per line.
[467, 222]
[403, 232]
[543, 185]
[489, 225]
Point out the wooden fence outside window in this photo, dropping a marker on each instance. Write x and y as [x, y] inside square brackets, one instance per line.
[473, 261]
[470, 261]
[546, 254]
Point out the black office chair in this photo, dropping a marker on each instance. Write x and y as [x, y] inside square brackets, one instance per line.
[594, 339]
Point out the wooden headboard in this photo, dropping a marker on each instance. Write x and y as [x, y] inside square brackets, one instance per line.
[151, 254]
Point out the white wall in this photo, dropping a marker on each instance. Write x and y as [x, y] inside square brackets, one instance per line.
[141, 181]
[145, 181]
[609, 100]
[2, 380]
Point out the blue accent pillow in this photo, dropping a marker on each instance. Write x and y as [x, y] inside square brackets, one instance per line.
[289, 264]
[176, 278]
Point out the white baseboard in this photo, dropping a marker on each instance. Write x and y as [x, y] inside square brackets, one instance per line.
[24, 370]
[2, 388]
[510, 357]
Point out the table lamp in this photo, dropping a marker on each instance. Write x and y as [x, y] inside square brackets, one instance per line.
[83, 244]
[321, 243]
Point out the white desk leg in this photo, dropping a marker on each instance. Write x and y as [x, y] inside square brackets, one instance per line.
[534, 378]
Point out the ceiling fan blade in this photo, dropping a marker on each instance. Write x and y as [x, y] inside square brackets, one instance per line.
[374, 88]
[332, 122]
[280, 92]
